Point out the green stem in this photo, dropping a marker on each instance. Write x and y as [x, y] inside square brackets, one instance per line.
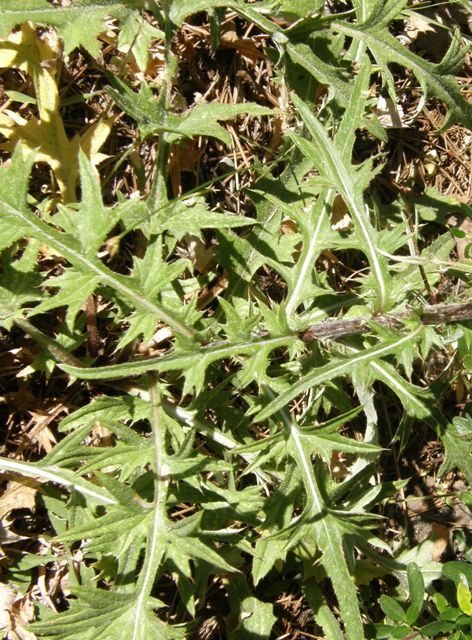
[55, 350]
[158, 196]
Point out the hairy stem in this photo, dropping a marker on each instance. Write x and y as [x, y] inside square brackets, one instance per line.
[429, 315]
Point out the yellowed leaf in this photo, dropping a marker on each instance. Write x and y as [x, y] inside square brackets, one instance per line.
[46, 135]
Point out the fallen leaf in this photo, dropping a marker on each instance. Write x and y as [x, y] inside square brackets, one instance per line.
[18, 495]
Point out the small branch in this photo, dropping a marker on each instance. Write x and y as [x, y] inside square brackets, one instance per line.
[428, 315]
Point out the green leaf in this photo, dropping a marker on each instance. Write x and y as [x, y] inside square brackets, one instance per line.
[464, 598]
[436, 79]
[107, 615]
[78, 24]
[136, 35]
[18, 284]
[63, 477]
[392, 608]
[417, 591]
[188, 547]
[323, 443]
[332, 163]
[74, 289]
[326, 74]
[91, 222]
[256, 620]
[457, 440]
[192, 363]
[329, 534]
[181, 9]
[27, 224]
[200, 120]
[13, 193]
[190, 216]
[321, 612]
[335, 368]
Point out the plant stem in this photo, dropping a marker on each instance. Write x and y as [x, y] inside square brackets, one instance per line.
[55, 350]
[429, 315]
[158, 195]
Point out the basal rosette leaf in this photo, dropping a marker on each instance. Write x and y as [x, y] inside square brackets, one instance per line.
[328, 159]
[90, 221]
[26, 224]
[328, 533]
[63, 477]
[14, 177]
[96, 614]
[181, 9]
[457, 440]
[78, 23]
[193, 364]
[46, 136]
[335, 368]
[136, 35]
[191, 215]
[200, 120]
[436, 79]
[420, 403]
[19, 284]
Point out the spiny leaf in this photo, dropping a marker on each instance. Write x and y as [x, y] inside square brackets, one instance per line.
[457, 439]
[183, 361]
[63, 477]
[327, 158]
[97, 614]
[200, 120]
[46, 135]
[74, 288]
[136, 35]
[434, 78]
[335, 368]
[78, 24]
[191, 215]
[180, 9]
[332, 77]
[18, 284]
[328, 534]
[68, 246]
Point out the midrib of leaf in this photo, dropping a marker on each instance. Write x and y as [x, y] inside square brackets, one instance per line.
[297, 166]
[444, 87]
[344, 141]
[340, 174]
[330, 541]
[155, 547]
[43, 232]
[309, 255]
[421, 411]
[62, 477]
[330, 371]
[177, 361]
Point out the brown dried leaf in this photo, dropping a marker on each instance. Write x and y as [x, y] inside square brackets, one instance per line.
[19, 495]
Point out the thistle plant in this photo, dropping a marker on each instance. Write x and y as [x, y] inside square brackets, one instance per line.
[217, 468]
